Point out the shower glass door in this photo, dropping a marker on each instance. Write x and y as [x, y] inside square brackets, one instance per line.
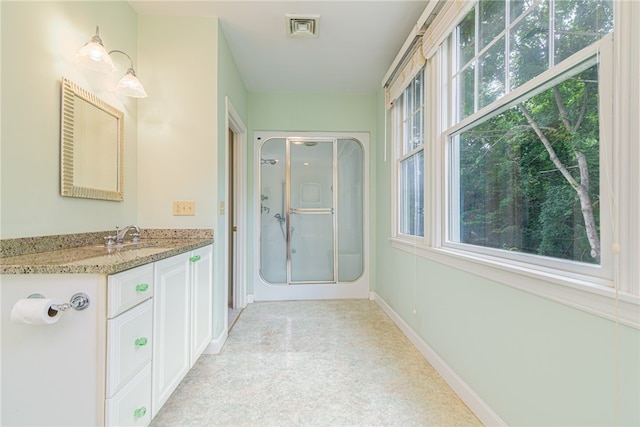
[311, 211]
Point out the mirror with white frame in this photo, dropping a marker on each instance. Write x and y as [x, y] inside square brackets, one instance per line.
[91, 146]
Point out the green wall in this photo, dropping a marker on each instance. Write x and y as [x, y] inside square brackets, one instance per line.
[304, 112]
[533, 361]
[230, 84]
[39, 43]
[323, 112]
[177, 126]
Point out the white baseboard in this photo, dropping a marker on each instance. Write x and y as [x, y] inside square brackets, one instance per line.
[216, 344]
[478, 406]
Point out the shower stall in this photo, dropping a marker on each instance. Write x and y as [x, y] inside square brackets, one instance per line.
[311, 216]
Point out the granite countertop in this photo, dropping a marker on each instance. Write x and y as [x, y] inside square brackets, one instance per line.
[98, 259]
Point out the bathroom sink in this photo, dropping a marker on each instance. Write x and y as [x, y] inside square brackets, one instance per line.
[116, 256]
[130, 245]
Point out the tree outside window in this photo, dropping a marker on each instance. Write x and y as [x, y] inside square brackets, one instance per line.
[526, 175]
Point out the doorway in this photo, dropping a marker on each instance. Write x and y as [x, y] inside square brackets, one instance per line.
[233, 311]
[236, 294]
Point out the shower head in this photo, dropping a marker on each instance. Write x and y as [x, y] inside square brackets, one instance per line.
[268, 161]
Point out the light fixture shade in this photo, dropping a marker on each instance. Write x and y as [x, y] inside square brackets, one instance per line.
[94, 56]
[129, 85]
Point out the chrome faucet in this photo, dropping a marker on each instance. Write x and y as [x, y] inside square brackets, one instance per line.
[120, 235]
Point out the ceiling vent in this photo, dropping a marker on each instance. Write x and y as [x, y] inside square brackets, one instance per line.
[302, 25]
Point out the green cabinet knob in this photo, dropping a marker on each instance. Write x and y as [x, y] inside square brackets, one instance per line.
[142, 287]
[140, 412]
[195, 258]
[141, 342]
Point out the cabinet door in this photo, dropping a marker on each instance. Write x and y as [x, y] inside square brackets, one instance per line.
[201, 261]
[171, 322]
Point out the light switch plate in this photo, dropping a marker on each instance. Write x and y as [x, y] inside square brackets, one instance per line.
[184, 207]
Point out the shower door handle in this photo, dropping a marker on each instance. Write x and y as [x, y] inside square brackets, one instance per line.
[316, 211]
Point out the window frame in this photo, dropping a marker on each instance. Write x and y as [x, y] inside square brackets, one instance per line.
[601, 273]
[398, 131]
[614, 294]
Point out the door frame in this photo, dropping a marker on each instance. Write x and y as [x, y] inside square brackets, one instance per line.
[233, 122]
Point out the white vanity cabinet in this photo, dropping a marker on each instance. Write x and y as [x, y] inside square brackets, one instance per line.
[182, 318]
[117, 361]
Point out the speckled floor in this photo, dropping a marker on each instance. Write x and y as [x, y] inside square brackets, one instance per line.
[314, 363]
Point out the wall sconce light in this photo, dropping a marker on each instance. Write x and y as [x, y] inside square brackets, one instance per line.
[129, 84]
[94, 56]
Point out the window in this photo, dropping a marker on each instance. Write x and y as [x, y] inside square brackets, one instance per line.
[530, 149]
[410, 159]
[501, 45]
[524, 142]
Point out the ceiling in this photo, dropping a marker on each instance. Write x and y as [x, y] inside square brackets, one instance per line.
[356, 44]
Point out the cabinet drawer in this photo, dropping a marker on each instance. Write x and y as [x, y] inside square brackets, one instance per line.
[128, 345]
[129, 288]
[132, 405]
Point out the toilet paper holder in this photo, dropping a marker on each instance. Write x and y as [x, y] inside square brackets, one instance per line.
[79, 301]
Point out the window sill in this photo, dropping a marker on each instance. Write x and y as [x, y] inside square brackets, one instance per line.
[580, 293]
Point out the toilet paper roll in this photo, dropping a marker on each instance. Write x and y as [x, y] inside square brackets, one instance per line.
[35, 311]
